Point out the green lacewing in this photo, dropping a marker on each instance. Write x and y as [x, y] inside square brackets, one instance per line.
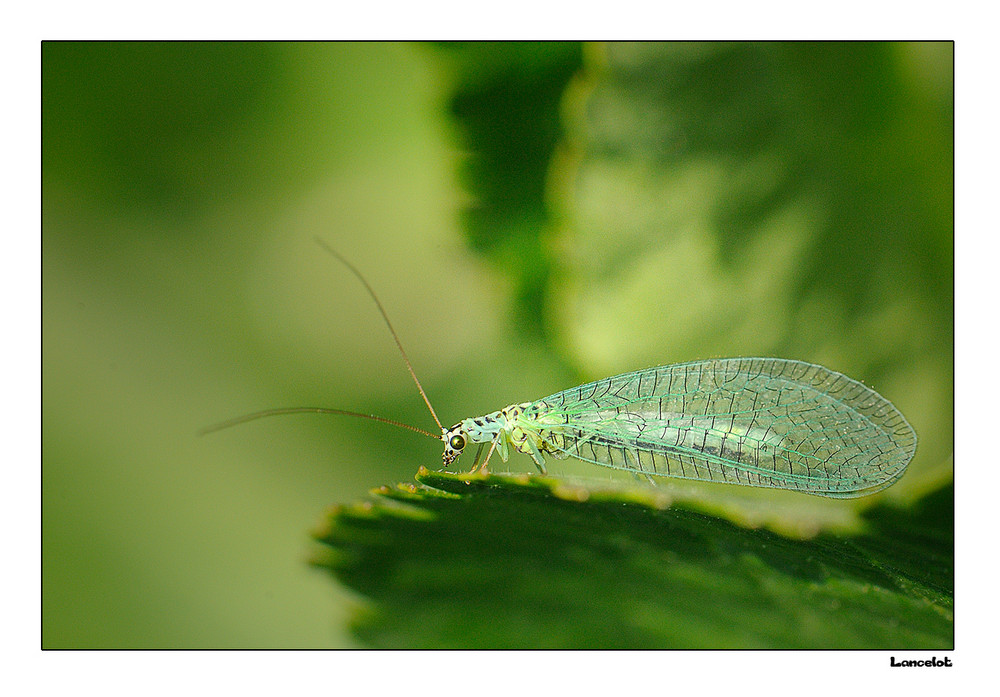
[763, 422]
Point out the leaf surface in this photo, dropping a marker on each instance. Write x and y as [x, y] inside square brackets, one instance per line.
[518, 561]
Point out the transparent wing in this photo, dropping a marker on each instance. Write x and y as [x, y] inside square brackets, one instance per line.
[755, 421]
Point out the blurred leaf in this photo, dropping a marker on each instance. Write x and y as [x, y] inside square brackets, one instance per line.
[863, 129]
[518, 561]
[847, 144]
[507, 106]
[764, 199]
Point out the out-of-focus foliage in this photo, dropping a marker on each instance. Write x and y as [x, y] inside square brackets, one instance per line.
[152, 120]
[491, 561]
[183, 184]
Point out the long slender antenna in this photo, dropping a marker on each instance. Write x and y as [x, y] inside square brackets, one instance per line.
[381, 309]
[309, 410]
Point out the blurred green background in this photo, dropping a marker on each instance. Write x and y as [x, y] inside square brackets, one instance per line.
[532, 215]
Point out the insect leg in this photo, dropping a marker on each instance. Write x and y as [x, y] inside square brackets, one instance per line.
[475, 464]
[482, 468]
[536, 455]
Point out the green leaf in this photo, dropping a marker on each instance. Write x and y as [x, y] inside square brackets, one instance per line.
[519, 561]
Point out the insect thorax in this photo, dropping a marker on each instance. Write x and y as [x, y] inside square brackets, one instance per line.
[525, 433]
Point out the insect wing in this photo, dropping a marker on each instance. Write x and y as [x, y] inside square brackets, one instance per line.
[755, 421]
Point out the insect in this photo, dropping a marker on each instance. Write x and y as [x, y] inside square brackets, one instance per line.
[763, 422]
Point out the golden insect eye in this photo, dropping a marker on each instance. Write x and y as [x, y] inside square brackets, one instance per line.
[457, 442]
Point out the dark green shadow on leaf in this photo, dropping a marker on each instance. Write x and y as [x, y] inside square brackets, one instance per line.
[506, 104]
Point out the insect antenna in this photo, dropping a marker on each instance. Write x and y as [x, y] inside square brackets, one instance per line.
[385, 316]
[342, 412]
[308, 410]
